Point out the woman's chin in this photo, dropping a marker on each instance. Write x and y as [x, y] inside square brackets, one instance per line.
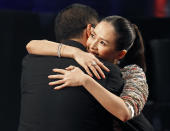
[96, 54]
[93, 52]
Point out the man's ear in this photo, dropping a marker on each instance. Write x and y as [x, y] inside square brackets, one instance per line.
[122, 54]
[88, 28]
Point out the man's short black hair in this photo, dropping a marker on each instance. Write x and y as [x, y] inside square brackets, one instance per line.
[72, 20]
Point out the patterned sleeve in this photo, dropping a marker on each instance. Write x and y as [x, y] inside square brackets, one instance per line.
[135, 91]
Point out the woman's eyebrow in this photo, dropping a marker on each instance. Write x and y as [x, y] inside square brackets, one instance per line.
[103, 39]
[93, 25]
[100, 36]
[93, 32]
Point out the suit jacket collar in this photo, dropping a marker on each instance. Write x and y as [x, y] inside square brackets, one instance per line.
[74, 44]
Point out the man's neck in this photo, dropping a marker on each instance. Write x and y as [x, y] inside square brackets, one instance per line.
[80, 41]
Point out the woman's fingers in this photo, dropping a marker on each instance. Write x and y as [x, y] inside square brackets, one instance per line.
[62, 71]
[88, 71]
[100, 71]
[100, 64]
[56, 82]
[56, 76]
[70, 68]
[60, 87]
[93, 69]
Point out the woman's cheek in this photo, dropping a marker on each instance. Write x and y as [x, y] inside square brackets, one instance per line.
[102, 52]
[106, 54]
[88, 42]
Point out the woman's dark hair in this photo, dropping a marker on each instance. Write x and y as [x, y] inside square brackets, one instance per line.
[128, 38]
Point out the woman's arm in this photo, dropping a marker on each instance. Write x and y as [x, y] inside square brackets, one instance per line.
[133, 96]
[112, 103]
[135, 91]
[45, 47]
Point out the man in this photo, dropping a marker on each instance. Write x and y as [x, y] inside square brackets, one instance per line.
[69, 109]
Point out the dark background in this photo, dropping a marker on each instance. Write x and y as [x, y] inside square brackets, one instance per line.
[24, 20]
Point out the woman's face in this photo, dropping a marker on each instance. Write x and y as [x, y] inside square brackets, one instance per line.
[102, 41]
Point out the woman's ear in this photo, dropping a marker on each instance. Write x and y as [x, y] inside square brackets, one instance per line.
[88, 28]
[122, 54]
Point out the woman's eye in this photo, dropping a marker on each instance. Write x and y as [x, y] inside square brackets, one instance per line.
[92, 35]
[102, 42]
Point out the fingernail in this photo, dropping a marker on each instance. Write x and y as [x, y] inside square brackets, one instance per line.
[108, 70]
[50, 76]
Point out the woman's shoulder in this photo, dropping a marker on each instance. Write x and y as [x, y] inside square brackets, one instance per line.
[133, 71]
[132, 68]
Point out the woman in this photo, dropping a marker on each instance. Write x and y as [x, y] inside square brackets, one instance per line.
[112, 39]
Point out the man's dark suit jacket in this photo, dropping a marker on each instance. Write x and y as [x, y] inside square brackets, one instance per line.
[68, 109]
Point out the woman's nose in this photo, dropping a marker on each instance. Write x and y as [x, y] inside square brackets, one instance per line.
[94, 45]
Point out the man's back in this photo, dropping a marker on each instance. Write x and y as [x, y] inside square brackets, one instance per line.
[68, 109]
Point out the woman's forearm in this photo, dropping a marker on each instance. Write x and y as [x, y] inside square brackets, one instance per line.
[112, 103]
[45, 47]
[135, 91]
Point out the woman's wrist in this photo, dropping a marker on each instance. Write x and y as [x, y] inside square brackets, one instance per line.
[76, 52]
[68, 51]
[86, 80]
[62, 53]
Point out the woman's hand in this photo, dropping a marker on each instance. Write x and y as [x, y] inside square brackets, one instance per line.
[86, 60]
[89, 62]
[72, 76]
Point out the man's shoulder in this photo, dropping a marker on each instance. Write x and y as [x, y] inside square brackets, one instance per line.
[47, 61]
[32, 56]
[112, 67]
[31, 59]
[114, 81]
